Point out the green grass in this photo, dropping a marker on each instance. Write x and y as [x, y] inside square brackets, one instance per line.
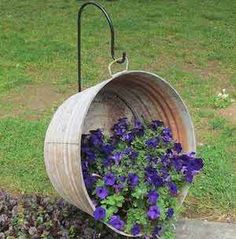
[214, 192]
[21, 165]
[190, 43]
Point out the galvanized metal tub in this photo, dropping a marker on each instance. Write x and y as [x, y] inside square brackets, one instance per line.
[131, 94]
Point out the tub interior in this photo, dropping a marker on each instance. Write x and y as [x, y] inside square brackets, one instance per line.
[138, 95]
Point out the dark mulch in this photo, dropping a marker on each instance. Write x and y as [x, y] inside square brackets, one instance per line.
[43, 217]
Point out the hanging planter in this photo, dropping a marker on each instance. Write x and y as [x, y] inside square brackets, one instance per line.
[135, 95]
[131, 94]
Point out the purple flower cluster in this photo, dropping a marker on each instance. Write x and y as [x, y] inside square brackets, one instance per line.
[136, 229]
[121, 127]
[101, 192]
[152, 197]
[153, 142]
[188, 165]
[99, 213]
[154, 212]
[133, 179]
[109, 179]
[170, 212]
[116, 222]
[139, 164]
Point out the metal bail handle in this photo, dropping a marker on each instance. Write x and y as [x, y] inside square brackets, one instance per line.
[116, 61]
[99, 6]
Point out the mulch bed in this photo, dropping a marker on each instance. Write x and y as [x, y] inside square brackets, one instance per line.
[37, 217]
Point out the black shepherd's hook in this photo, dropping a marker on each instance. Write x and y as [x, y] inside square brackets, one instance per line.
[112, 38]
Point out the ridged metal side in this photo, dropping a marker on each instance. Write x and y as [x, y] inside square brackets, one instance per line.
[134, 94]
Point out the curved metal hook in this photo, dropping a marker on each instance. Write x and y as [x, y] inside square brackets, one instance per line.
[112, 37]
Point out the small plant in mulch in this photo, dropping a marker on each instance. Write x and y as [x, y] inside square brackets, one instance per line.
[134, 176]
[222, 100]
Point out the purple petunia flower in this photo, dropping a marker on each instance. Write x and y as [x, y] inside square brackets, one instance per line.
[88, 154]
[155, 124]
[133, 179]
[120, 131]
[173, 189]
[107, 149]
[165, 160]
[177, 148]
[109, 179]
[166, 135]
[153, 178]
[188, 165]
[170, 212]
[195, 164]
[99, 213]
[138, 128]
[154, 212]
[135, 230]
[188, 177]
[153, 142]
[101, 192]
[152, 159]
[127, 151]
[177, 162]
[85, 164]
[131, 153]
[138, 124]
[117, 157]
[117, 223]
[164, 174]
[150, 171]
[89, 180]
[122, 179]
[96, 137]
[152, 197]
[108, 161]
[129, 137]
[120, 127]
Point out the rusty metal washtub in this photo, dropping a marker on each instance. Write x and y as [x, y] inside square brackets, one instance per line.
[131, 94]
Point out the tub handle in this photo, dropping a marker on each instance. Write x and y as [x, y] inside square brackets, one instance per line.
[117, 61]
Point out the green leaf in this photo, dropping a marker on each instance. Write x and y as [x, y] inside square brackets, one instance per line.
[140, 191]
[114, 200]
[110, 211]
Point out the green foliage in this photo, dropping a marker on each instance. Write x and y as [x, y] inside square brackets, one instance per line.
[221, 103]
[140, 192]
[169, 233]
[136, 215]
[222, 100]
[114, 200]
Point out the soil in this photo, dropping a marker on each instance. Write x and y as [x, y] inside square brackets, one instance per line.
[33, 100]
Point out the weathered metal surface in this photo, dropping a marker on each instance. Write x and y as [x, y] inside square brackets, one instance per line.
[133, 94]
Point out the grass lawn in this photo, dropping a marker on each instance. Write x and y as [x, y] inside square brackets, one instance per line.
[190, 43]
